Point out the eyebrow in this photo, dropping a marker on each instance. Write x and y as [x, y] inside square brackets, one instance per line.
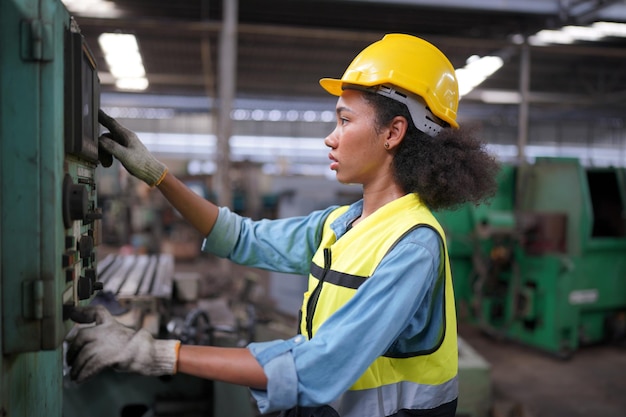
[343, 108]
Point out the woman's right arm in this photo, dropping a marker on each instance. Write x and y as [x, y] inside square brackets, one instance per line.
[124, 144]
[201, 213]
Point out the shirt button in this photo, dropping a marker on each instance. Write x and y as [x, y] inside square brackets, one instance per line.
[299, 339]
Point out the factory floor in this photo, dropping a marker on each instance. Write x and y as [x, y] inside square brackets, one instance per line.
[528, 383]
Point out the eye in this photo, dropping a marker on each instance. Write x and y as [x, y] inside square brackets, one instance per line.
[342, 121]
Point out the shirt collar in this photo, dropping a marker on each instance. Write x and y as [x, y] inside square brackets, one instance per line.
[341, 225]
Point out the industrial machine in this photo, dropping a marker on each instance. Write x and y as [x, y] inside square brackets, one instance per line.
[49, 217]
[50, 228]
[544, 263]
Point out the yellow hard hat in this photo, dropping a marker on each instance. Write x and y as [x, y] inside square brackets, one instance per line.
[411, 65]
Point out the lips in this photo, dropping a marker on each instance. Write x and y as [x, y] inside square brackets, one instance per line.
[334, 163]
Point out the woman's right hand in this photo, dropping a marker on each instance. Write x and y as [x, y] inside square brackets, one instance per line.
[128, 149]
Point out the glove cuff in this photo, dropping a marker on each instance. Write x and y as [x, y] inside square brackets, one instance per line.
[154, 172]
[161, 177]
[165, 357]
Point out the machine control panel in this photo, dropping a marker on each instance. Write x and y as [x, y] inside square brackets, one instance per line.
[49, 220]
[80, 214]
[81, 220]
[49, 215]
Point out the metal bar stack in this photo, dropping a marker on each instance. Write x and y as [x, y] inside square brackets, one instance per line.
[129, 276]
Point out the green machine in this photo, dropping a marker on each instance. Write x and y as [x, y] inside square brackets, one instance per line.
[50, 229]
[49, 219]
[544, 263]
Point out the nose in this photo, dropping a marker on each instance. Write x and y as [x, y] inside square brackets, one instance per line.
[331, 140]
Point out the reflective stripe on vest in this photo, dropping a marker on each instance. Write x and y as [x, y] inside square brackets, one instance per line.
[389, 399]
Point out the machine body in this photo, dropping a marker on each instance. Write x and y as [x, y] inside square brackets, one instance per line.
[49, 218]
[544, 263]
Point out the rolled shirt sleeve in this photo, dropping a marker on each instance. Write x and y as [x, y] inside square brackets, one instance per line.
[282, 378]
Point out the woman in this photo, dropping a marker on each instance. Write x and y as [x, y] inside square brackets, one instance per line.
[378, 326]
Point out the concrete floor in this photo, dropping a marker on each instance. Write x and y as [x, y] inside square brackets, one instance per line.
[590, 384]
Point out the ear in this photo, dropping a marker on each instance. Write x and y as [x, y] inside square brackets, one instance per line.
[397, 130]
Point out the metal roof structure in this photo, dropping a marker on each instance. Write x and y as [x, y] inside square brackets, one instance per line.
[285, 46]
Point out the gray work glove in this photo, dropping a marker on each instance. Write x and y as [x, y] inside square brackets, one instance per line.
[111, 344]
[126, 146]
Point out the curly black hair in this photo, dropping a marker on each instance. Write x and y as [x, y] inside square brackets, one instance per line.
[447, 170]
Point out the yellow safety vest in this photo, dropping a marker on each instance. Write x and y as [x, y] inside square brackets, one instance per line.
[355, 257]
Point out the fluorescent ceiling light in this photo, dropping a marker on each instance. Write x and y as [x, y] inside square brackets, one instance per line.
[545, 37]
[583, 33]
[93, 8]
[611, 28]
[137, 84]
[501, 97]
[121, 71]
[571, 34]
[476, 71]
[122, 55]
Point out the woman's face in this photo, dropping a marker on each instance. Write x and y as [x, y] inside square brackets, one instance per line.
[357, 154]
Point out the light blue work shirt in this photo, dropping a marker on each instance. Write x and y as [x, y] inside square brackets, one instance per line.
[393, 302]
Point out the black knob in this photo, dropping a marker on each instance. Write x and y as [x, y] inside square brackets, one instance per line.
[94, 215]
[87, 284]
[95, 285]
[75, 201]
[84, 289]
[79, 202]
[85, 246]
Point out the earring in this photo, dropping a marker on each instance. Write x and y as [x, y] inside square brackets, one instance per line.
[386, 145]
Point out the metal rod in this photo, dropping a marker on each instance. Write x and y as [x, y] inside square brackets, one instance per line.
[226, 94]
[524, 86]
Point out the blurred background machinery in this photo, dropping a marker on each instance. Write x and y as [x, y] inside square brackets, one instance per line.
[544, 264]
[144, 291]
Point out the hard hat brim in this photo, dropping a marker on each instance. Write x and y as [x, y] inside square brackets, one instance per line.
[332, 85]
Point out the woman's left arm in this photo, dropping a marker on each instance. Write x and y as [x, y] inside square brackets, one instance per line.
[232, 365]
